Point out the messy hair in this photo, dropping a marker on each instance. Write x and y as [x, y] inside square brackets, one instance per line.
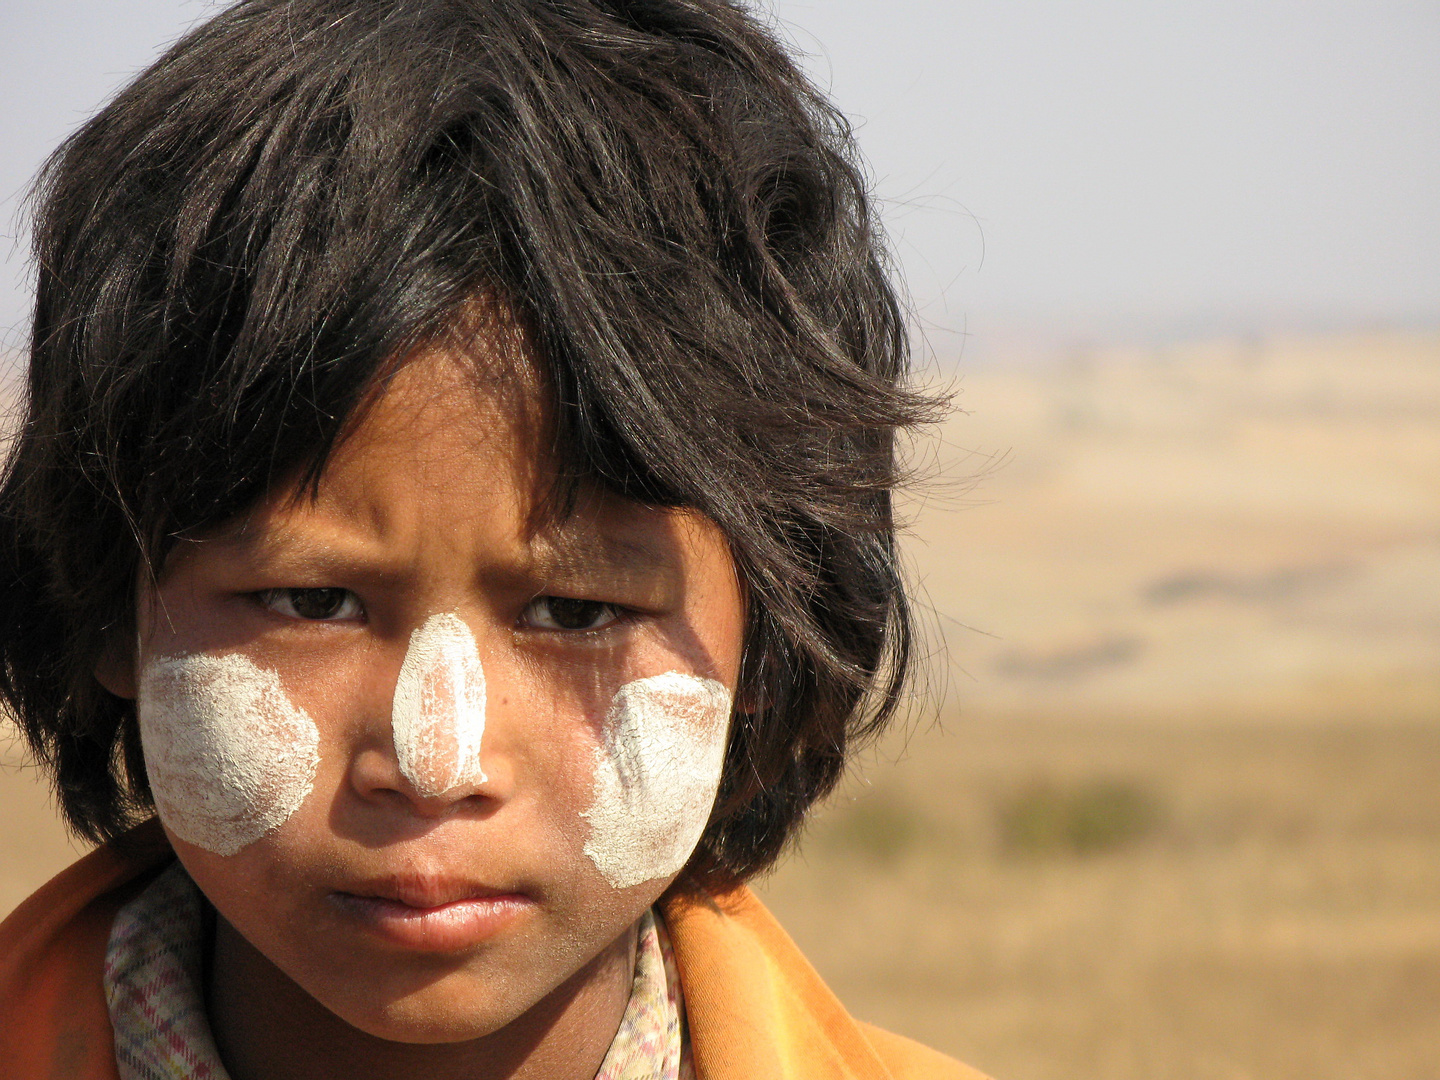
[231, 252]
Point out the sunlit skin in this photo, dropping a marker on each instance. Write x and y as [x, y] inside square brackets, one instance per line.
[431, 505]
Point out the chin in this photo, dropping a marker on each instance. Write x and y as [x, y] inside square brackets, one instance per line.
[433, 1015]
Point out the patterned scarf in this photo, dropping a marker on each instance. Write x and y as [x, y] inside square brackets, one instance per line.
[153, 974]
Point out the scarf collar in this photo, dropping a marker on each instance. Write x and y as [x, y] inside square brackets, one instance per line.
[154, 966]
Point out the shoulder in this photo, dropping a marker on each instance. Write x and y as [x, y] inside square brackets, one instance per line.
[906, 1058]
[53, 1016]
[756, 1007]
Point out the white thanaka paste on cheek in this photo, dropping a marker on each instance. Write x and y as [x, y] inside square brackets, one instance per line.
[229, 757]
[438, 717]
[656, 776]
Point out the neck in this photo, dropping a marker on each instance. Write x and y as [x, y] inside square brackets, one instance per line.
[268, 1028]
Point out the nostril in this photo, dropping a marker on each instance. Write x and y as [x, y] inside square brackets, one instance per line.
[438, 714]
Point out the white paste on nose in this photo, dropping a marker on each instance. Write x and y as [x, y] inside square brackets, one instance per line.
[229, 757]
[438, 716]
[656, 776]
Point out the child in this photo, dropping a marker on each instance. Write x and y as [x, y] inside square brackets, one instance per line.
[455, 497]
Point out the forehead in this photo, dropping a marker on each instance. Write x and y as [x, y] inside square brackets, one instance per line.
[474, 413]
[454, 455]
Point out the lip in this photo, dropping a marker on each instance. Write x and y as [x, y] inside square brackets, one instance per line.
[432, 916]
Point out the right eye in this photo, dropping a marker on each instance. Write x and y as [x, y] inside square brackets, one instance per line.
[314, 605]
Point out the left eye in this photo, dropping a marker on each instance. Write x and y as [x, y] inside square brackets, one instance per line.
[567, 613]
[316, 605]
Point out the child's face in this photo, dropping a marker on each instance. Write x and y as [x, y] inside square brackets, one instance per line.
[429, 755]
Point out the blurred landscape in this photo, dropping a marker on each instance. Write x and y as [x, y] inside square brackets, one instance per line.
[1171, 805]
[1180, 814]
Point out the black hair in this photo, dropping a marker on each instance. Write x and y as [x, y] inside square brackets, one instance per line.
[300, 191]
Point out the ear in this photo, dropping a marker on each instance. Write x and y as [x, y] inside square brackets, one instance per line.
[115, 667]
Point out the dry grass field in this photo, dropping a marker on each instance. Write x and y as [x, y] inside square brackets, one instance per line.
[1050, 899]
[1171, 808]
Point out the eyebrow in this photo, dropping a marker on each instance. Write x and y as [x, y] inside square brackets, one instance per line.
[570, 550]
[319, 551]
[556, 550]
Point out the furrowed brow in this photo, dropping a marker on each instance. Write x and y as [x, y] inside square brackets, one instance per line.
[325, 549]
[597, 551]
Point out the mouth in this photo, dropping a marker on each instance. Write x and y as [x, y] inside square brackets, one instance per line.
[431, 915]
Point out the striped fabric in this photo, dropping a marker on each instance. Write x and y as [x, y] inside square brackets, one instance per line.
[153, 976]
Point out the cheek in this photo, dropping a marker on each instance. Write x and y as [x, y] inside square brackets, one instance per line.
[656, 775]
[229, 757]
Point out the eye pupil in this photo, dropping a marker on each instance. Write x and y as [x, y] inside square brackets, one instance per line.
[316, 603]
[571, 614]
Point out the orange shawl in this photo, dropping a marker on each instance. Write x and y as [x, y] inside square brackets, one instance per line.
[755, 1007]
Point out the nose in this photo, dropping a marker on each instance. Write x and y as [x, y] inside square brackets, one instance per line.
[437, 717]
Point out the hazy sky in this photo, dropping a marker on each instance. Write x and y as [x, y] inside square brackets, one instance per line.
[1109, 166]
